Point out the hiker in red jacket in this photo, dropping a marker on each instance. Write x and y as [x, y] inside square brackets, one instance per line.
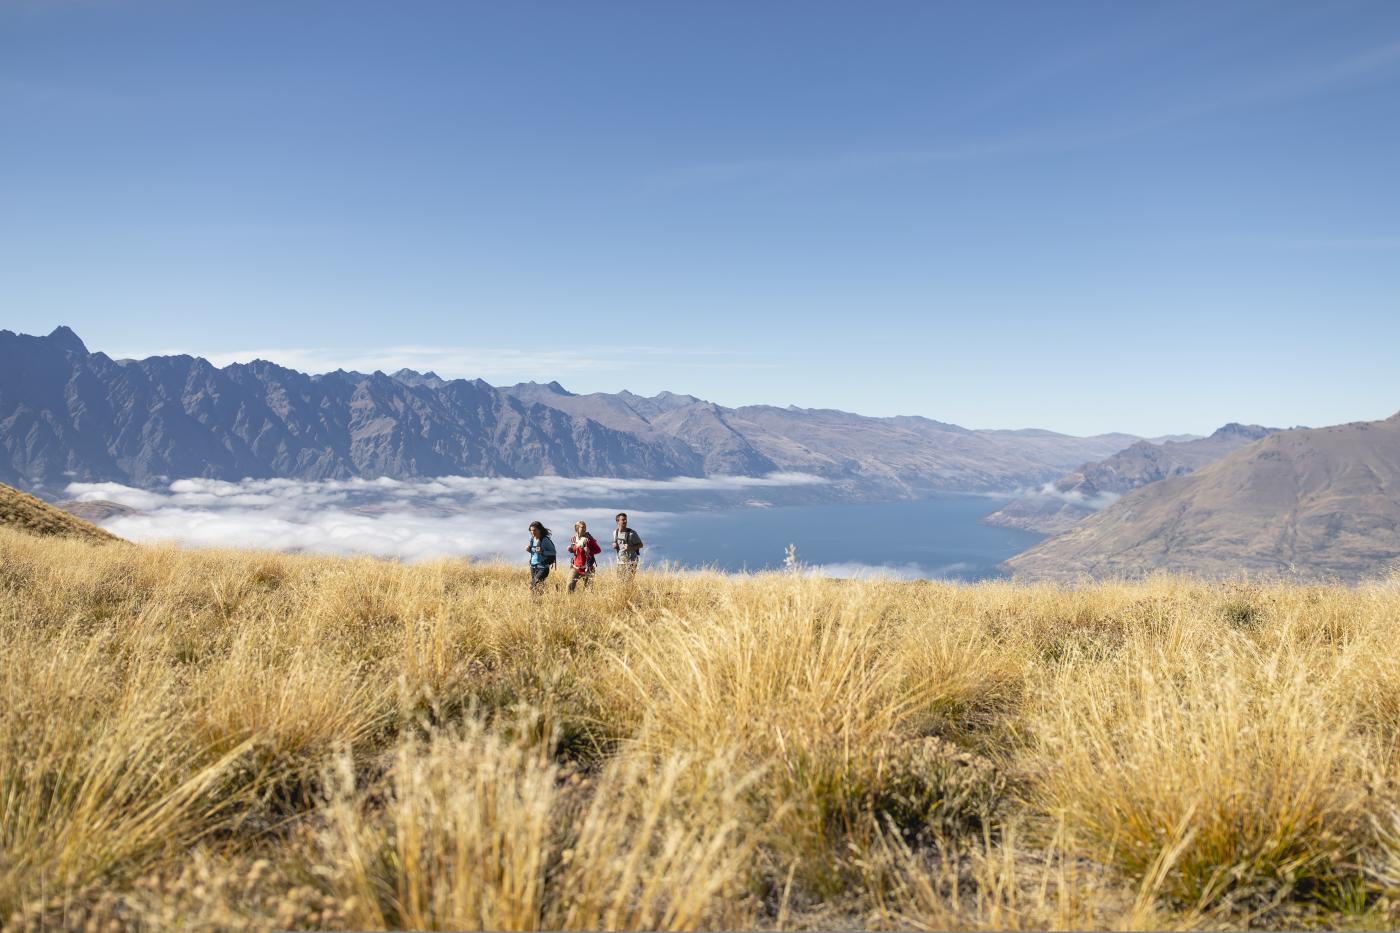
[585, 549]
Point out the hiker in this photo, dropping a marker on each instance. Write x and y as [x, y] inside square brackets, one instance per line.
[628, 545]
[542, 556]
[585, 549]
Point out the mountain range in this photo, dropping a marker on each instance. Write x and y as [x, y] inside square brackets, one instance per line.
[1312, 503]
[1058, 506]
[68, 414]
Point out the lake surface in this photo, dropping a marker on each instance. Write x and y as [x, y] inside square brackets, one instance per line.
[939, 538]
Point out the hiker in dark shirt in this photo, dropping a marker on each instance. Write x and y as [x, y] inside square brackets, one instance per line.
[542, 555]
[628, 545]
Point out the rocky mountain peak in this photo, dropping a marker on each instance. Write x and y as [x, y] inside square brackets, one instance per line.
[63, 337]
[411, 377]
[1235, 429]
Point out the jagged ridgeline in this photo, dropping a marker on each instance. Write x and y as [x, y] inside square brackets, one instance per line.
[23, 512]
[67, 414]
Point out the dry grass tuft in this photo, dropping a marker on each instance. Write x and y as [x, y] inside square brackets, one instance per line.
[217, 739]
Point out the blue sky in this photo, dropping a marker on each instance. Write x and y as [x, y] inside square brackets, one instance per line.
[1103, 216]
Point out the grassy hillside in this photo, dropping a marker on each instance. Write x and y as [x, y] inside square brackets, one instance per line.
[1320, 504]
[23, 512]
[217, 739]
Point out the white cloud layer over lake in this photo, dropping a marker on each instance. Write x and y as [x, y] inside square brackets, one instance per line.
[848, 570]
[1074, 497]
[449, 516]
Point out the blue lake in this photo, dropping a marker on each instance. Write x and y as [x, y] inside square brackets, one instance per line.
[937, 538]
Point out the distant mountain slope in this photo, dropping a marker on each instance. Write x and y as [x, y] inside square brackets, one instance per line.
[23, 512]
[95, 510]
[1321, 503]
[1071, 498]
[70, 415]
[896, 456]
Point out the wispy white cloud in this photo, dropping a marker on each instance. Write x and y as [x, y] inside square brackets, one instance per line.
[1049, 492]
[1361, 66]
[1324, 244]
[833, 166]
[408, 519]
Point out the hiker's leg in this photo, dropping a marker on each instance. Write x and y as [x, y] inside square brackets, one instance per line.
[573, 581]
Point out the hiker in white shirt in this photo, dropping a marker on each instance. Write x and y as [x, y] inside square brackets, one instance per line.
[628, 545]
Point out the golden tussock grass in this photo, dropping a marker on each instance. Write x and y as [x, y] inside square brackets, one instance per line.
[237, 739]
[21, 510]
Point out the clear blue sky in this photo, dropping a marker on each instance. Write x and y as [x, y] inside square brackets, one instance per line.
[1152, 217]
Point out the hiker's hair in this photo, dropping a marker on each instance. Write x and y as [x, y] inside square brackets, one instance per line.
[580, 525]
[619, 515]
[544, 532]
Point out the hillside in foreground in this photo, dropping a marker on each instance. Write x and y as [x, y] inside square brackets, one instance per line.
[216, 740]
[23, 512]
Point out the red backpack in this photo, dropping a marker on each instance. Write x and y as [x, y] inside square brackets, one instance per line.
[585, 555]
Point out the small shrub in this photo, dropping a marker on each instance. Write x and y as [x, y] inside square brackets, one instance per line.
[928, 789]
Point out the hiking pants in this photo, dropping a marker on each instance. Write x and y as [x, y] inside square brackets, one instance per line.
[585, 575]
[538, 574]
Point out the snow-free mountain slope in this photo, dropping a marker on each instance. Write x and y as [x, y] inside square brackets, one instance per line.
[1316, 503]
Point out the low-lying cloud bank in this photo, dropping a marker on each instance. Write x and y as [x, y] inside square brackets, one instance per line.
[1074, 497]
[857, 571]
[450, 516]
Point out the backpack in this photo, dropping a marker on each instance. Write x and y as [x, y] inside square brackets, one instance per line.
[589, 548]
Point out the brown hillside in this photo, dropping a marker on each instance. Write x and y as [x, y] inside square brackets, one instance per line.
[23, 512]
[1074, 497]
[1320, 504]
